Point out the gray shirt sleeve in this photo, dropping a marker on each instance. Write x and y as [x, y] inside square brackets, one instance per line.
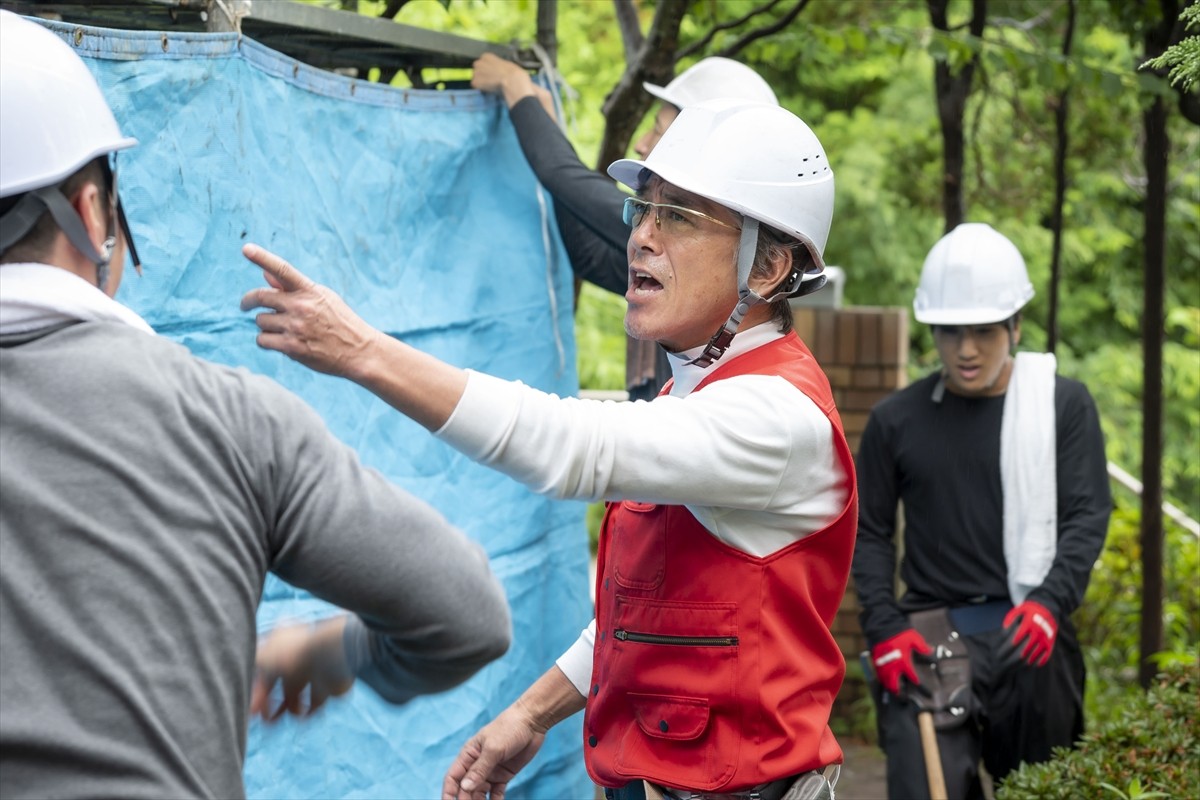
[430, 613]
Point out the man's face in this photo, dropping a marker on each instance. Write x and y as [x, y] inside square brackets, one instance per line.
[666, 115]
[682, 271]
[976, 358]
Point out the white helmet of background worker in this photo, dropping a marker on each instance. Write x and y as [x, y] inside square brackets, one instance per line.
[55, 121]
[713, 78]
[972, 276]
[708, 79]
[761, 161]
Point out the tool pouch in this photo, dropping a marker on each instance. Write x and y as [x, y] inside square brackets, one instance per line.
[945, 674]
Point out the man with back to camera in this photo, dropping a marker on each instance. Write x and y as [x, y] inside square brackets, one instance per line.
[1000, 466]
[710, 669]
[587, 205]
[145, 494]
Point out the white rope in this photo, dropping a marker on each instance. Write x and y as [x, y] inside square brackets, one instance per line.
[553, 80]
[555, 84]
[241, 8]
[548, 248]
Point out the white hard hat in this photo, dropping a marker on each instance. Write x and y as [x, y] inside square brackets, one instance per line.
[759, 160]
[972, 276]
[713, 78]
[55, 119]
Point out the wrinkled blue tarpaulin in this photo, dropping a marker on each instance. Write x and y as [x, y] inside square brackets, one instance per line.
[418, 208]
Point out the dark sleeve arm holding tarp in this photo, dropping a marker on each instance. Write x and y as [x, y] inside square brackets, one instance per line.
[874, 566]
[587, 204]
[1084, 499]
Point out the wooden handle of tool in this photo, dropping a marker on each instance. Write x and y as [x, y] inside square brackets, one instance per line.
[933, 758]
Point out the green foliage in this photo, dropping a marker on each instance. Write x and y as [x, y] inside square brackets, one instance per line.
[861, 73]
[1114, 374]
[1182, 61]
[595, 515]
[600, 333]
[1149, 749]
[1108, 621]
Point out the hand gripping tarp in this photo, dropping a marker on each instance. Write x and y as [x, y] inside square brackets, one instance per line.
[419, 209]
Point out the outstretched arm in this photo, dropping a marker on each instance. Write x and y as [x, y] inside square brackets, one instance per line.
[494, 755]
[427, 611]
[311, 324]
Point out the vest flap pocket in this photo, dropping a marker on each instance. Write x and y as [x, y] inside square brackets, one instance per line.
[637, 544]
[665, 717]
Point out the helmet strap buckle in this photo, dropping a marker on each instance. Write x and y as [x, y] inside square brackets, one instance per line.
[747, 299]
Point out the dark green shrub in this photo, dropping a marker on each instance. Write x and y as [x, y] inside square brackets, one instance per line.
[1151, 748]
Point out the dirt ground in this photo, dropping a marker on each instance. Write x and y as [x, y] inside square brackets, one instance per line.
[864, 774]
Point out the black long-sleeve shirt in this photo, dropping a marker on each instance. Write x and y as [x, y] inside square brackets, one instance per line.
[942, 460]
[587, 206]
[586, 203]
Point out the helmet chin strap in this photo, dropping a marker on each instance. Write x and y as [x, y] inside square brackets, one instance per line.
[21, 219]
[747, 298]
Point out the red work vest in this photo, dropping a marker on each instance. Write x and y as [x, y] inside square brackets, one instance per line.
[715, 669]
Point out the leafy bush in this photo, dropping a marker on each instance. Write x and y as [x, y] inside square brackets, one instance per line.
[1110, 617]
[1151, 749]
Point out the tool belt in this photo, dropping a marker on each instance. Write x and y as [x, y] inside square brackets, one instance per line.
[812, 785]
[944, 674]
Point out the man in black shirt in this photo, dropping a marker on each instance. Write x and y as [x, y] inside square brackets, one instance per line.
[1000, 466]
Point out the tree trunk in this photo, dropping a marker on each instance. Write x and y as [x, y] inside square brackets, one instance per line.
[1060, 188]
[547, 28]
[654, 61]
[952, 88]
[1154, 154]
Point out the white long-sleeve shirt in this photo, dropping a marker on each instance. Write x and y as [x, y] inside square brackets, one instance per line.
[751, 456]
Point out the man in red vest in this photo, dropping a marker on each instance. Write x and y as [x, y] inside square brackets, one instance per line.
[710, 668]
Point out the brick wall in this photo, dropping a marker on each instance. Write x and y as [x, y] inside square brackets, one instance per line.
[864, 352]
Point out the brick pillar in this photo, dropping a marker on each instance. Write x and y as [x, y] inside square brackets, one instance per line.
[864, 352]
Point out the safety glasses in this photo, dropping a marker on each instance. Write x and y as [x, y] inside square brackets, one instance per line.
[668, 218]
[118, 211]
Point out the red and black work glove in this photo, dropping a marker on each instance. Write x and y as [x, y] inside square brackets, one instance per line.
[893, 659]
[1037, 630]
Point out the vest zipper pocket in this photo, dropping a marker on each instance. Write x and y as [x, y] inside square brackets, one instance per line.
[687, 641]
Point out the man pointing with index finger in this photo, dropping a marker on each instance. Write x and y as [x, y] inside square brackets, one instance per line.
[710, 668]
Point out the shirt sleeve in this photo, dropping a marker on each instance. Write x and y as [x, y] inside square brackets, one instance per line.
[429, 611]
[739, 443]
[587, 204]
[874, 565]
[576, 663]
[1084, 499]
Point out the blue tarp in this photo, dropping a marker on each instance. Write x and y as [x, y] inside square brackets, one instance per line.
[418, 208]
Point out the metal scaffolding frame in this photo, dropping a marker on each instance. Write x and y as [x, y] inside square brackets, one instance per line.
[322, 37]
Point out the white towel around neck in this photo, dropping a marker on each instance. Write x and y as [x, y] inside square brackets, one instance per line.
[1028, 473]
[36, 296]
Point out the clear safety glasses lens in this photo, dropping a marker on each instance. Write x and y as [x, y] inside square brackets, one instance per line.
[668, 218]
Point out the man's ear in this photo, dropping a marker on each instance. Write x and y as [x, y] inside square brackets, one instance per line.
[91, 204]
[767, 282]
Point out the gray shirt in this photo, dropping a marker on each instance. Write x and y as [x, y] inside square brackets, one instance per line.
[144, 496]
